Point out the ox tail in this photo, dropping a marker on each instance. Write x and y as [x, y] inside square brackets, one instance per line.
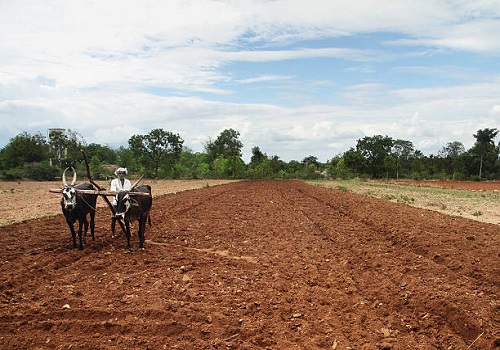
[149, 220]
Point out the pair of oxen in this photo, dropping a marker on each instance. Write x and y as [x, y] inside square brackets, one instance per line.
[79, 202]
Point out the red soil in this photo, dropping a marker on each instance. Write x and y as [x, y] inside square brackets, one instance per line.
[256, 265]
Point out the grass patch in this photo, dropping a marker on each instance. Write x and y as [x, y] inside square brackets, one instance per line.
[342, 188]
[464, 203]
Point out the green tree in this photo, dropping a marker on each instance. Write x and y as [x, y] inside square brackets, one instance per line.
[401, 152]
[257, 156]
[417, 164]
[226, 167]
[65, 147]
[375, 149]
[293, 168]
[192, 165]
[75, 143]
[57, 143]
[127, 158]
[390, 164]
[354, 160]
[452, 155]
[484, 149]
[310, 166]
[26, 156]
[337, 168]
[103, 153]
[22, 149]
[100, 158]
[226, 145]
[159, 146]
[262, 170]
[277, 165]
[310, 160]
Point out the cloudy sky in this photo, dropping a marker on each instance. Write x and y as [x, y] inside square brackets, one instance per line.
[294, 77]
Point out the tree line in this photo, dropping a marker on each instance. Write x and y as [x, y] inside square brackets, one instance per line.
[162, 154]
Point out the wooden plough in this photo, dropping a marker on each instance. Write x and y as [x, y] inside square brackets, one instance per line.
[104, 193]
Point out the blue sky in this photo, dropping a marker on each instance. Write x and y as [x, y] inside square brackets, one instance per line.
[296, 78]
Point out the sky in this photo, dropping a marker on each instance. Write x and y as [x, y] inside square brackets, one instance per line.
[295, 78]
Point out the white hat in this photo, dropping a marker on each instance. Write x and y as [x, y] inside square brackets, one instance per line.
[121, 170]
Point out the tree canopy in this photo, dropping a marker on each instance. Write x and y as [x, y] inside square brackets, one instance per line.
[160, 154]
[158, 146]
[484, 149]
[227, 145]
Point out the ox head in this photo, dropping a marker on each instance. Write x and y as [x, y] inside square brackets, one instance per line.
[123, 204]
[124, 200]
[69, 192]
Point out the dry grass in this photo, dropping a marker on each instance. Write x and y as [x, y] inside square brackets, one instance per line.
[482, 206]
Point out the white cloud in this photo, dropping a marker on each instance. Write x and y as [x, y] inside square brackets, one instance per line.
[111, 69]
[262, 78]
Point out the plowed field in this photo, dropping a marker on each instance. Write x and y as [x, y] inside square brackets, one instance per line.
[256, 265]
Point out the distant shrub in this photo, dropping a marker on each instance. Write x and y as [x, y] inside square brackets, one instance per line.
[476, 178]
[12, 174]
[40, 172]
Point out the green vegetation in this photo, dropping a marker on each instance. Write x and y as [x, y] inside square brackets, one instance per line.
[160, 154]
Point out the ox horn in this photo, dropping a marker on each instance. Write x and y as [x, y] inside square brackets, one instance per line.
[135, 183]
[73, 181]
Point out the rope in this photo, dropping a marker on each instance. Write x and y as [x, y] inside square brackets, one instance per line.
[83, 199]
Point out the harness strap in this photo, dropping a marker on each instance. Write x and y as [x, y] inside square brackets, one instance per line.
[83, 199]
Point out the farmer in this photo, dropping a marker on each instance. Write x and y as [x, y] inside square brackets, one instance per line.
[119, 184]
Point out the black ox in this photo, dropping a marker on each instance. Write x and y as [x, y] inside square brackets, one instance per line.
[134, 205]
[76, 206]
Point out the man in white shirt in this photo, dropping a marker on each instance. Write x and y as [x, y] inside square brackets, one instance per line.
[118, 184]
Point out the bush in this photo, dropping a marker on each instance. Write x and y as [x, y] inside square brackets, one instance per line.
[31, 171]
[12, 174]
[476, 178]
[40, 172]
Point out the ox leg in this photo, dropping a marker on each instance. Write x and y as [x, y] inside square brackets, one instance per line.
[85, 230]
[113, 225]
[127, 233]
[92, 224]
[73, 233]
[142, 229]
[80, 234]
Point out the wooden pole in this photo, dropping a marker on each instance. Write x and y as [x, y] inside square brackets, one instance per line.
[102, 192]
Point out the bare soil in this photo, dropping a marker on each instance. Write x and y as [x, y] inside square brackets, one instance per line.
[24, 200]
[256, 265]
